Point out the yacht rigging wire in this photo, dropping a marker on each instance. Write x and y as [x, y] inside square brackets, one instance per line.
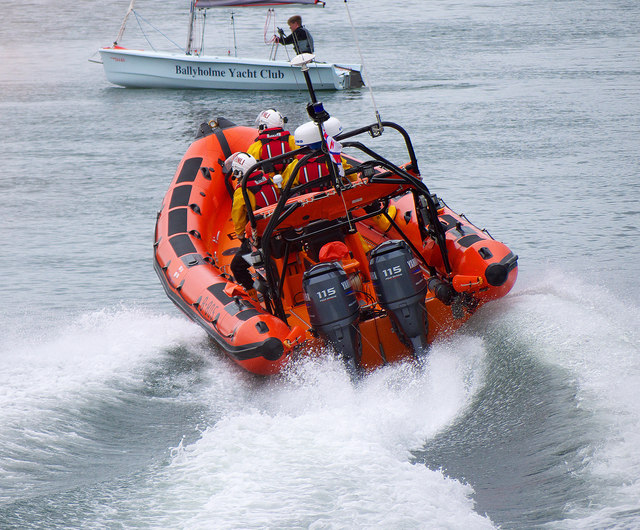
[276, 44]
[140, 17]
[377, 131]
[143, 32]
[204, 23]
[270, 28]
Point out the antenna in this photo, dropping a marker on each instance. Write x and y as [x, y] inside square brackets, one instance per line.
[302, 61]
[316, 111]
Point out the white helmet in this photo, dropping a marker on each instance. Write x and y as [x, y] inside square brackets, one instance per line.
[308, 133]
[270, 118]
[238, 163]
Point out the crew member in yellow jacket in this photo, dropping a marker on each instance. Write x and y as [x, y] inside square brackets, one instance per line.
[261, 192]
[315, 167]
[273, 140]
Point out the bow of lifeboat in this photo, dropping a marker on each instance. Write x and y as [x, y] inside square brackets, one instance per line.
[194, 245]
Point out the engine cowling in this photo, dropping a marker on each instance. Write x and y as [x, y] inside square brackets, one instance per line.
[333, 309]
[401, 289]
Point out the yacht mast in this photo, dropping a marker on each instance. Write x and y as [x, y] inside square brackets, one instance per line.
[192, 15]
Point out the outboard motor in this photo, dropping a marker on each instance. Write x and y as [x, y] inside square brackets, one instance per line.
[401, 288]
[333, 308]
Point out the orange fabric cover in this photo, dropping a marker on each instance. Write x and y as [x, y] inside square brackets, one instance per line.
[334, 251]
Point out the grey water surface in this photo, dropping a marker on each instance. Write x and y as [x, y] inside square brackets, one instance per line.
[115, 410]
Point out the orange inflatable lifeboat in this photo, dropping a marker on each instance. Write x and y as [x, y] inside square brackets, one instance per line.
[376, 266]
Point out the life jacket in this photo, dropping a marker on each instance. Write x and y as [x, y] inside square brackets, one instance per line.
[263, 189]
[313, 169]
[275, 141]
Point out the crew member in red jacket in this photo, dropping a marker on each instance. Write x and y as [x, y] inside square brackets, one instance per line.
[315, 167]
[273, 139]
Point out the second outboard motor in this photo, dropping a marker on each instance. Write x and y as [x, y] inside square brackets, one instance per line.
[401, 288]
[333, 308]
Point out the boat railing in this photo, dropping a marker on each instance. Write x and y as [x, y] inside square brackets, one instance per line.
[379, 170]
[392, 125]
[262, 165]
[308, 152]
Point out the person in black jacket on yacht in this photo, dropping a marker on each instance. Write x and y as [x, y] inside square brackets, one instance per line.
[300, 37]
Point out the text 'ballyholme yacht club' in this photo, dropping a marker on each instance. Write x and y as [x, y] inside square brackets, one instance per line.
[199, 71]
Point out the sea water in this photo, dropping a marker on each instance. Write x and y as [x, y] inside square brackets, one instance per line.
[116, 411]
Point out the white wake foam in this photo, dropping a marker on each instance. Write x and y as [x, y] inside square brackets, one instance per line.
[596, 336]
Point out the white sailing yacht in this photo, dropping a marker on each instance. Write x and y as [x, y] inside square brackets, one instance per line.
[191, 69]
